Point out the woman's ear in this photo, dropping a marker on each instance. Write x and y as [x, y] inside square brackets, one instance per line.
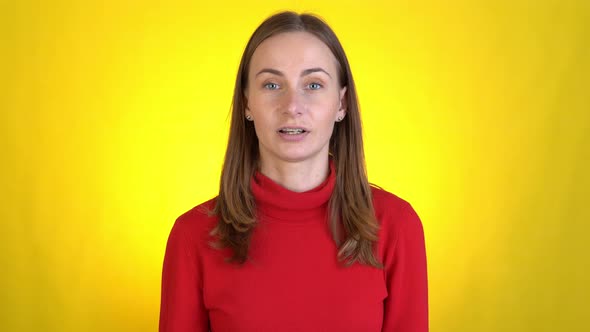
[343, 104]
[245, 97]
[248, 114]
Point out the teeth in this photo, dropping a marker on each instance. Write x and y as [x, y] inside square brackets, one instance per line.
[291, 131]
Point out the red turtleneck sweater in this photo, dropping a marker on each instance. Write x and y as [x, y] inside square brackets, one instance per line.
[293, 281]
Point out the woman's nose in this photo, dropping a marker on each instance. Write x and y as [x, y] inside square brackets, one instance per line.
[292, 103]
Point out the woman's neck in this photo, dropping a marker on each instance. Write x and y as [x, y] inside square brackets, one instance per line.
[296, 176]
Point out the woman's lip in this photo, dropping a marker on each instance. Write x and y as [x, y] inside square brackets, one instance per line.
[294, 127]
[293, 137]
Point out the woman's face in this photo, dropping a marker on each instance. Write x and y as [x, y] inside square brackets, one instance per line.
[294, 98]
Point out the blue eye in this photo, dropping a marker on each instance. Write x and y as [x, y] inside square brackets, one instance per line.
[315, 86]
[271, 86]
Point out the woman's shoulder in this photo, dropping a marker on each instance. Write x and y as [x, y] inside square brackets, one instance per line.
[197, 221]
[386, 201]
[391, 210]
[399, 224]
[201, 211]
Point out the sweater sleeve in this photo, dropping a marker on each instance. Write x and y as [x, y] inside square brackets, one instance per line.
[406, 307]
[182, 308]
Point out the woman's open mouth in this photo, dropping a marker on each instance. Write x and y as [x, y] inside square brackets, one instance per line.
[293, 134]
[292, 131]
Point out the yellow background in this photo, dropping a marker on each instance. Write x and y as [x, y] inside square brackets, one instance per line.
[114, 122]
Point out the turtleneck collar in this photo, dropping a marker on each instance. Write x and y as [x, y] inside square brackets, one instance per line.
[278, 202]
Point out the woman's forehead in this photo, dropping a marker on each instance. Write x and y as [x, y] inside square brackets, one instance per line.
[293, 51]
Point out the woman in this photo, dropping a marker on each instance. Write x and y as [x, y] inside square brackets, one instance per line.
[297, 239]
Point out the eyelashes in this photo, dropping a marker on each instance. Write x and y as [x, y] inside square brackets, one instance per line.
[315, 86]
[276, 86]
[270, 86]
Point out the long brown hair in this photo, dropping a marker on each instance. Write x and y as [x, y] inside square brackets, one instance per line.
[352, 217]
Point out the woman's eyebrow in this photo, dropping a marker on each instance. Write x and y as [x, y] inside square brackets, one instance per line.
[314, 70]
[303, 73]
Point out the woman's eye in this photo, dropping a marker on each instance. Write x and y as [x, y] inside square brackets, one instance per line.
[315, 86]
[271, 86]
